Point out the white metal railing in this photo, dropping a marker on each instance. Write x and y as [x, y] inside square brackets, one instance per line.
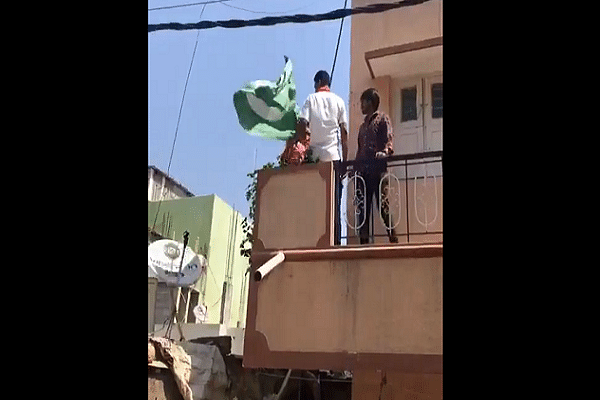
[423, 199]
[419, 171]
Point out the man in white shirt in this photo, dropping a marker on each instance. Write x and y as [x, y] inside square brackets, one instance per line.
[324, 118]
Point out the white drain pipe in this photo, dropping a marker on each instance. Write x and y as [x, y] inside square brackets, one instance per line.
[268, 266]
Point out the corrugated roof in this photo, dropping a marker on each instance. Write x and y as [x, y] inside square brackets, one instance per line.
[179, 184]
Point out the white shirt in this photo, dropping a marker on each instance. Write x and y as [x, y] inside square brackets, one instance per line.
[325, 111]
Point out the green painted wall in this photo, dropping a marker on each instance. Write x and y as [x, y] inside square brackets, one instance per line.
[215, 232]
[193, 214]
[225, 243]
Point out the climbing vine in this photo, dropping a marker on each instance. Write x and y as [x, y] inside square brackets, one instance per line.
[248, 222]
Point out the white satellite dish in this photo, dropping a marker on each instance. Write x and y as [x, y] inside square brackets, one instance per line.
[164, 257]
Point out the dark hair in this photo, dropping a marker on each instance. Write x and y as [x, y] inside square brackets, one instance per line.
[322, 76]
[372, 95]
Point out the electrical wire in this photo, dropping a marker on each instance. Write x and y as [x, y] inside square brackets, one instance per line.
[183, 97]
[187, 5]
[163, 325]
[337, 47]
[297, 18]
[179, 118]
[269, 12]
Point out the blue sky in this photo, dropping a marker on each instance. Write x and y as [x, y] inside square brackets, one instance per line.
[213, 153]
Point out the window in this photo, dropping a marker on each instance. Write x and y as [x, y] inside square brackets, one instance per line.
[409, 104]
[437, 104]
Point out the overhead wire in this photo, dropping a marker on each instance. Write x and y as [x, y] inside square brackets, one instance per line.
[187, 5]
[337, 46]
[268, 12]
[296, 18]
[179, 119]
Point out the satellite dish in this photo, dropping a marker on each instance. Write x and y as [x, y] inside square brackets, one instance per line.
[164, 257]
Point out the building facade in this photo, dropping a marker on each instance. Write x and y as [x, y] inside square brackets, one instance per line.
[402, 59]
[374, 309]
[160, 185]
[215, 232]
[399, 52]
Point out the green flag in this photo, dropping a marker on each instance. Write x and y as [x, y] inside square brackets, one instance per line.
[268, 109]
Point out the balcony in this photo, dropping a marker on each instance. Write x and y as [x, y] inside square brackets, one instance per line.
[331, 302]
[410, 192]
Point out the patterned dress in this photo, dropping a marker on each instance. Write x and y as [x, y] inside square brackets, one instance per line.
[295, 152]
